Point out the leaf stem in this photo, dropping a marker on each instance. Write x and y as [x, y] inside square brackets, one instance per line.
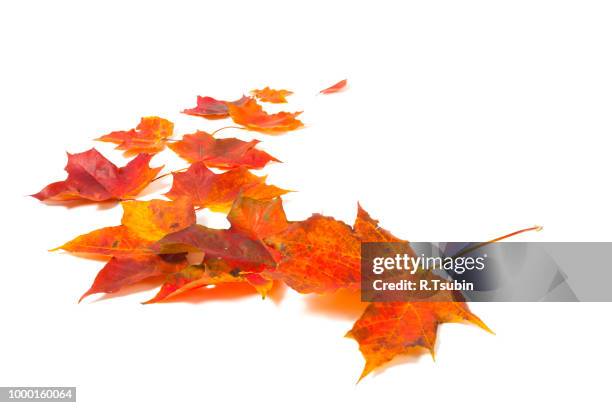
[474, 247]
[167, 174]
[227, 127]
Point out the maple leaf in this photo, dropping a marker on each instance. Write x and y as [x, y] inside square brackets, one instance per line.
[211, 108]
[218, 191]
[318, 255]
[251, 115]
[388, 329]
[335, 87]
[220, 153]
[143, 223]
[128, 270]
[93, 177]
[271, 95]
[148, 137]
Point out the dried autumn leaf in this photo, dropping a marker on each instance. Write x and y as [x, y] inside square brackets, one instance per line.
[252, 116]
[238, 250]
[271, 95]
[388, 329]
[211, 108]
[218, 191]
[144, 222]
[220, 153]
[318, 255]
[93, 177]
[124, 271]
[335, 87]
[148, 137]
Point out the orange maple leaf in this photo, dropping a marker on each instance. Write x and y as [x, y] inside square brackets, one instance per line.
[388, 329]
[252, 116]
[218, 191]
[148, 137]
[224, 154]
[271, 95]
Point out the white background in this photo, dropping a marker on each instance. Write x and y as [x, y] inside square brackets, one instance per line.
[463, 121]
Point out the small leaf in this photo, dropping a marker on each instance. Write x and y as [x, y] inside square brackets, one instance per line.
[220, 153]
[335, 88]
[148, 137]
[211, 108]
[218, 191]
[252, 116]
[271, 95]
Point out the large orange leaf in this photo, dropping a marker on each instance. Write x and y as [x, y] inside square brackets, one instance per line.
[218, 191]
[252, 116]
[143, 223]
[93, 177]
[220, 153]
[387, 330]
[318, 255]
[148, 137]
[271, 95]
[211, 108]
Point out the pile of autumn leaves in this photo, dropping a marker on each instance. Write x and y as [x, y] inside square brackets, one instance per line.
[156, 237]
